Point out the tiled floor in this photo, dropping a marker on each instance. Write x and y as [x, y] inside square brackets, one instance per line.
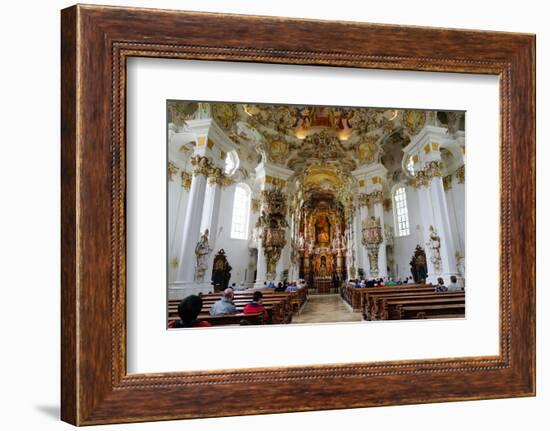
[326, 308]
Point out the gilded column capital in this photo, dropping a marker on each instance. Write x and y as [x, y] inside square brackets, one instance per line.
[172, 169]
[376, 197]
[432, 169]
[459, 174]
[423, 177]
[216, 176]
[186, 180]
[201, 165]
[448, 182]
[363, 199]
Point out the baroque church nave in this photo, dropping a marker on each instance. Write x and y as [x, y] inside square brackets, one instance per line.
[261, 194]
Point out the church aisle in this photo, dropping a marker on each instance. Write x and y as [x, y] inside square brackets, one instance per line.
[326, 308]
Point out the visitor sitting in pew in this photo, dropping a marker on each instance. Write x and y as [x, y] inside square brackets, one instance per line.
[453, 285]
[188, 310]
[256, 305]
[292, 287]
[224, 305]
[391, 282]
[440, 287]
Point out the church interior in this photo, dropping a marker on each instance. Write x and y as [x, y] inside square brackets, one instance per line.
[333, 213]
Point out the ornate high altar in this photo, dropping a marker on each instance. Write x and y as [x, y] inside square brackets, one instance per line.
[323, 253]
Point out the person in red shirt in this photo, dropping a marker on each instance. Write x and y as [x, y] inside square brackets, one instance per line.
[188, 310]
[256, 305]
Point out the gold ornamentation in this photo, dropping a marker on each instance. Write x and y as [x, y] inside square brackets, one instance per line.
[201, 141]
[186, 180]
[180, 112]
[376, 197]
[363, 199]
[387, 204]
[433, 169]
[368, 150]
[371, 238]
[459, 173]
[201, 165]
[172, 169]
[414, 120]
[277, 182]
[225, 114]
[361, 183]
[273, 223]
[216, 176]
[447, 182]
[256, 204]
[277, 150]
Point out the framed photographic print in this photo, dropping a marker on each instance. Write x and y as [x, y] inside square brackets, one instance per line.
[268, 213]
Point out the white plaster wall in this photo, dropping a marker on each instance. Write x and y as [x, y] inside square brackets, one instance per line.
[404, 246]
[177, 203]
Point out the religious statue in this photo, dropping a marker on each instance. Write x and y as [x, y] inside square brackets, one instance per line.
[323, 270]
[202, 250]
[434, 244]
[322, 231]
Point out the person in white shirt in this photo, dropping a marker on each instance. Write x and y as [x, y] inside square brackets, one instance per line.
[453, 285]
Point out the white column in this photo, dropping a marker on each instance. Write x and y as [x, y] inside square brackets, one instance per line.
[191, 228]
[382, 258]
[260, 267]
[211, 209]
[364, 262]
[425, 205]
[442, 224]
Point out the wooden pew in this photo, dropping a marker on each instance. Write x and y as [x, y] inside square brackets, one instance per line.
[375, 303]
[356, 297]
[279, 305]
[229, 319]
[386, 305]
[425, 311]
[395, 306]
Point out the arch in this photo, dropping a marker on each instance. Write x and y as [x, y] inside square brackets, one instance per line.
[241, 211]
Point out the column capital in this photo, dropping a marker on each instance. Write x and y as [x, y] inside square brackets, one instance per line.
[202, 165]
[375, 197]
[186, 180]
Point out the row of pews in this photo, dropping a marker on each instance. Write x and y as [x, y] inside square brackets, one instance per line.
[408, 301]
[280, 307]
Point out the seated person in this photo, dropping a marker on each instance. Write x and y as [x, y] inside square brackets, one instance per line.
[188, 310]
[271, 285]
[256, 305]
[279, 287]
[453, 285]
[224, 305]
[391, 282]
[440, 287]
[292, 287]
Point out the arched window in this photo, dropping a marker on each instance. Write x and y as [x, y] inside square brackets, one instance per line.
[241, 212]
[401, 212]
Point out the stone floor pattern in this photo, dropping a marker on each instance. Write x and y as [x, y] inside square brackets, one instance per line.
[326, 308]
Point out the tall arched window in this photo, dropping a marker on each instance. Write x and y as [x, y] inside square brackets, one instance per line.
[241, 212]
[401, 212]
